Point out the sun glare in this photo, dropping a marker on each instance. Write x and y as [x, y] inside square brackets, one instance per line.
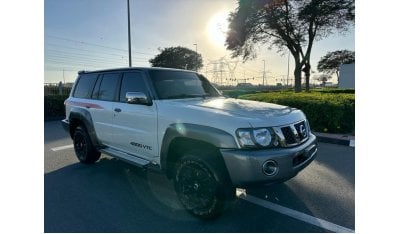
[218, 27]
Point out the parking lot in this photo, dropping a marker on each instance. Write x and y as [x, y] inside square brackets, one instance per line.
[113, 196]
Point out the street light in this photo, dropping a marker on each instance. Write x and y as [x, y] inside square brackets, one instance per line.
[129, 35]
[195, 44]
[288, 63]
[264, 72]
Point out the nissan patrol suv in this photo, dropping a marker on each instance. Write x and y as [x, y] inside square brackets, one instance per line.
[177, 122]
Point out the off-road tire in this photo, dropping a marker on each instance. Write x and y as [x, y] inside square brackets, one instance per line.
[84, 149]
[201, 187]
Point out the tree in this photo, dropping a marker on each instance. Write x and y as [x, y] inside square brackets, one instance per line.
[177, 57]
[331, 62]
[323, 78]
[291, 24]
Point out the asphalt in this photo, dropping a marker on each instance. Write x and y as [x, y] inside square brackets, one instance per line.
[113, 196]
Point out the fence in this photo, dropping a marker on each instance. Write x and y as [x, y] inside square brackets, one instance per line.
[57, 88]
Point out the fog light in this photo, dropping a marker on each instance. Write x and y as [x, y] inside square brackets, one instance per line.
[270, 167]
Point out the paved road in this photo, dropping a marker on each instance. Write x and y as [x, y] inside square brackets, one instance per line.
[113, 196]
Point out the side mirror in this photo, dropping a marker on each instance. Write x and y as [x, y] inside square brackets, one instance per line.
[138, 98]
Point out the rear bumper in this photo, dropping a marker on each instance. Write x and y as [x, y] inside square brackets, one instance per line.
[245, 167]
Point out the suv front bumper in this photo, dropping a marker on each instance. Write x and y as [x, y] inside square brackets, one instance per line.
[245, 167]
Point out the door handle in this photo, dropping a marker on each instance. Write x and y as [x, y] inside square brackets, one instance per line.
[117, 110]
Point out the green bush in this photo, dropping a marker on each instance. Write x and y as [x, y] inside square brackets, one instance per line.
[54, 106]
[234, 93]
[334, 90]
[326, 112]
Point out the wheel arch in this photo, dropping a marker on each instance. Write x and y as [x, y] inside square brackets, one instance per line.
[82, 117]
[179, 138]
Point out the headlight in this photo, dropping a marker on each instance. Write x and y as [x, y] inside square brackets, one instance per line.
[244, 136]
[254, 137]
[262, 136]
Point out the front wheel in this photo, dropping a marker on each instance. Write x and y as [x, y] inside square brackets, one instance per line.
[200, 187]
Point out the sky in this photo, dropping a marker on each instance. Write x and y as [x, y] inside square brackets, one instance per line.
[92, 34]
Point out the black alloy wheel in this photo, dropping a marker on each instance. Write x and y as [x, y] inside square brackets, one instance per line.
[83, 147]
[198, 188]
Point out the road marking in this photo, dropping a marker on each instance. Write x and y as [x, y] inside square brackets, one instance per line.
[62, 147]
[352, 143]
[292, 213]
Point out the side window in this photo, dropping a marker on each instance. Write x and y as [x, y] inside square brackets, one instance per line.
[85, 85]
[95, 93]
[108, 86]
[132, 82]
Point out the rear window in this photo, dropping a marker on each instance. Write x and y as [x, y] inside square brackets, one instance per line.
[85, 85]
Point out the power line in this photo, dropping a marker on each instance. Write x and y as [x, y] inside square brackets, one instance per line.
[86, 43]
[94, 44]
[80, 54]
[80, 49]
[74, 59]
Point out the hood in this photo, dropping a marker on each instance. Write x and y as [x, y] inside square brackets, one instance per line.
[229, 111]
[246, 108]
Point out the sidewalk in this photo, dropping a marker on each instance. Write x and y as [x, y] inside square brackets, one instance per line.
[340, 139]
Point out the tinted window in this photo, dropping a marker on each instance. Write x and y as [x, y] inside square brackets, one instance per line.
[108, 86]
[95, 93]
[132, 82]
[179, 84]
[85, 85]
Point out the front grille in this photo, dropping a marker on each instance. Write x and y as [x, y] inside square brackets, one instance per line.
[289, 136]
[293, 134]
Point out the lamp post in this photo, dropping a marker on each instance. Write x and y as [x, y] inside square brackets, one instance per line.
[129, 35]
[288, 62]
[264, 73]
[195, 44]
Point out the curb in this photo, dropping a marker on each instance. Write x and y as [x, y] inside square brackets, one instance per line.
[336, 139]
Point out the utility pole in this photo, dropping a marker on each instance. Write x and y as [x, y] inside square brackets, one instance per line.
[129, 35]
[63, 77]
[287, 78]
[195, 44]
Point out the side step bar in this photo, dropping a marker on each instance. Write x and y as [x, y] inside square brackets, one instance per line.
[126, 157]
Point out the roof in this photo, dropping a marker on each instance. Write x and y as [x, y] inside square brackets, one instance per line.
[135, 68]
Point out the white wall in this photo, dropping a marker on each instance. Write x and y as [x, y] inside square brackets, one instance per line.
[347, 76]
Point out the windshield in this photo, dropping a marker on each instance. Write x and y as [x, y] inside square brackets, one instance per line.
[180, 84]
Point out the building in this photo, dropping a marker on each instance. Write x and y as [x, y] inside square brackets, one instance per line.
[347, 76]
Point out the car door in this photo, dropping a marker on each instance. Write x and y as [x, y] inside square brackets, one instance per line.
[104, 95]
[135, 124]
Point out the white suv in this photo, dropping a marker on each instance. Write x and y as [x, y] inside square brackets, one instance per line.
[177, 122]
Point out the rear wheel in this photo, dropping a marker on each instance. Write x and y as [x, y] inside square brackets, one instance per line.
[84, 149]
[201, 189]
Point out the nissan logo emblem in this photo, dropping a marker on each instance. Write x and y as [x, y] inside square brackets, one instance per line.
[303, 131]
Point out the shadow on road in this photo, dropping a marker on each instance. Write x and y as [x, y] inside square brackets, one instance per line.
[53, 131]
[112, 196]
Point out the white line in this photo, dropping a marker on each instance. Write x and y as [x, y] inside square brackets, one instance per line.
[352, 143]
[62, 147]
[293, 213]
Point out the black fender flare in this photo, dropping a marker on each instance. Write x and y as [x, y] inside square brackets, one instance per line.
[84, 117]
[213, 136]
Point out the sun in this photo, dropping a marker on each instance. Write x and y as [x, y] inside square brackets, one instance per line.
[218, 27]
